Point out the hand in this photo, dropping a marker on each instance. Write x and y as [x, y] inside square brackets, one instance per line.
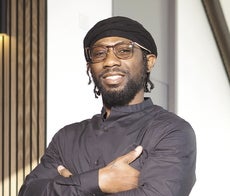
[63, 171]
[118, 175]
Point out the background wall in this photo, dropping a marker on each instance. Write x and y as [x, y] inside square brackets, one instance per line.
[69, 97]
[189, 75]
[203, 97]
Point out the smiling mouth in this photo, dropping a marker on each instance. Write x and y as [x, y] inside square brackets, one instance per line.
[113, 78]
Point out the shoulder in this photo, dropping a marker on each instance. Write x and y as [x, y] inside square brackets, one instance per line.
[169, 133]
[74, 130]
[168, 118]
[166, 124]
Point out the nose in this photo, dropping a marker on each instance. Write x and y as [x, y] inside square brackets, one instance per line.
[111, 59]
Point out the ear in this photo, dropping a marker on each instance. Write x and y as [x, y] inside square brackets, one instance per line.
[151, 59]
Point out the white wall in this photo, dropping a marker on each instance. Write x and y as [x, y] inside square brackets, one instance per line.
[69, 98]
[203, 98]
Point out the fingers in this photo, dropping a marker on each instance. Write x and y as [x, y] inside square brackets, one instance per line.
[133, 155]
[138, 150]
[63, 171]
[59, 168]
[118, 175]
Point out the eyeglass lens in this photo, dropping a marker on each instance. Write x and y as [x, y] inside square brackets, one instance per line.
[121, 51]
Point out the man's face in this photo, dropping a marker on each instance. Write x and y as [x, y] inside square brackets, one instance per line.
[120, 81]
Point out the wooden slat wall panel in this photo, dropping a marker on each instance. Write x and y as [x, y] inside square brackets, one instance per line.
[22, 92]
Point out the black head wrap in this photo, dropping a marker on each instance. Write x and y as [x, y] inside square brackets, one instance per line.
[122, 27]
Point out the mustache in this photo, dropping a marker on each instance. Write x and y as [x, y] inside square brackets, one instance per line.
[111, 70]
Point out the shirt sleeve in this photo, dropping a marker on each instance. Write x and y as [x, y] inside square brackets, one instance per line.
[74, 185]
[168, 169]
[45, 180]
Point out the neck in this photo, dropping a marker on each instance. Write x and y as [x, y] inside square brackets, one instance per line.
[139, 97]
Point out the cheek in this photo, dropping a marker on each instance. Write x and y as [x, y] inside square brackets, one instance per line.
[136, 67]
[137, 63]
[94, 70]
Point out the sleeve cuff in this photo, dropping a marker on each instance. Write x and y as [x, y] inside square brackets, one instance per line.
[89, 182]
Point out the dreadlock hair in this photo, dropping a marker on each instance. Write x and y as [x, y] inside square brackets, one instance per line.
[148, 85]
[88, 74]
[95, 90]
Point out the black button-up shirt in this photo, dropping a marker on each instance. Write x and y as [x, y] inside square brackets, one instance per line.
[167, 164]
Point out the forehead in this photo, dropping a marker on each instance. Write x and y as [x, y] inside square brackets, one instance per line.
[111, 40]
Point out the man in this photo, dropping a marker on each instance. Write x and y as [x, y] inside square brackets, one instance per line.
[133, 147]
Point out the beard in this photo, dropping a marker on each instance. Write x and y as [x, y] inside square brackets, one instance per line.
[119, 97]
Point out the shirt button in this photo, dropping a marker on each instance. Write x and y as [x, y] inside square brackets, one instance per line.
[96, 162]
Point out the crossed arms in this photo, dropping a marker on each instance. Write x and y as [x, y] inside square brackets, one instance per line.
[168, 169]
[116, 177]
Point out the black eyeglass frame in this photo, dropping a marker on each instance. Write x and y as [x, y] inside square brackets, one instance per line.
[132, 44]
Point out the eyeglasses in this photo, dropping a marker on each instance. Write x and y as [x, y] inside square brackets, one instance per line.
[122, 50]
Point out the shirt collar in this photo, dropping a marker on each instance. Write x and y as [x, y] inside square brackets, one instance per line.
[129, 108]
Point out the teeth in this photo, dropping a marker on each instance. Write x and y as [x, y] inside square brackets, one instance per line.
[113, 77]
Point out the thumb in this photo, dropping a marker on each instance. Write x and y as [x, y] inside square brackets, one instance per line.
[133, 155]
